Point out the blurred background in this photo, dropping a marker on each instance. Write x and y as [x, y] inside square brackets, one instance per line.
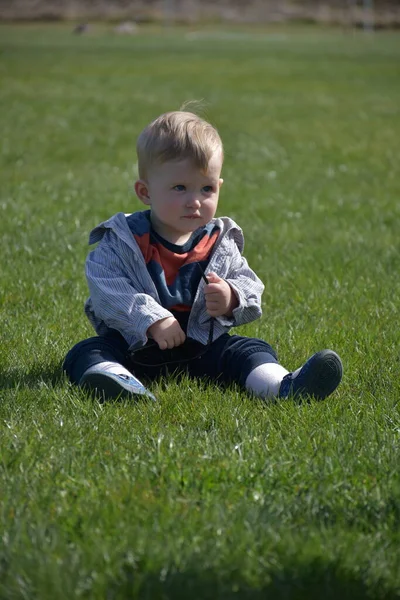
[355, 13]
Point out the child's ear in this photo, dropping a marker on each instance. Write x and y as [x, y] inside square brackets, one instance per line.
[142, 191]
[220, 182]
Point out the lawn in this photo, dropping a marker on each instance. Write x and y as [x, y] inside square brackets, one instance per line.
[207, 494]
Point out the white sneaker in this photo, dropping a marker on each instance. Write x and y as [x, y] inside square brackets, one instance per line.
[113, 381]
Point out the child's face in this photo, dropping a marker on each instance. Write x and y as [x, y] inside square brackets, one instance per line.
[182, 198]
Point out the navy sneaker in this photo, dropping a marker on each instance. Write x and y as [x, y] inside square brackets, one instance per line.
[318, 377]
[114, 385]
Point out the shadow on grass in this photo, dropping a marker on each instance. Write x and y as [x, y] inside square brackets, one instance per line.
[37, 377]
[313, 581]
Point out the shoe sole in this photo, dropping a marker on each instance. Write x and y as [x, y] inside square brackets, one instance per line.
[324, 377]
[107, 388]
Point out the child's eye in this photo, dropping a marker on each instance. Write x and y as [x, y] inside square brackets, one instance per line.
[208, 189]
[179, 188]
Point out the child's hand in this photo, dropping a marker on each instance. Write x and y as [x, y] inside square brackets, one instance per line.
[167, 333]
[220, 297]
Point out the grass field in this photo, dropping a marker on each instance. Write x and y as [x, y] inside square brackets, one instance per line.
[208, 494]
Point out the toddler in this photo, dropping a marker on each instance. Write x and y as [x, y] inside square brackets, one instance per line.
[168, 283]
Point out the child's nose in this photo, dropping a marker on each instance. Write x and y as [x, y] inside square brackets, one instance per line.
[193, 201]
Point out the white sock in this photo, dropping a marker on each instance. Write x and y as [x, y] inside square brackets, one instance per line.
[111, 367]
[264, 381]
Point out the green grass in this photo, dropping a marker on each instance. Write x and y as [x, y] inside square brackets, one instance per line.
[207, 494]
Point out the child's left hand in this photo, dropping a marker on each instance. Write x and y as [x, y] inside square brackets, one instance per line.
[220, 297]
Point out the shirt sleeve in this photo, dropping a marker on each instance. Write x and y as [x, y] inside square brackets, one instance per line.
[248, 289]
[115, 301]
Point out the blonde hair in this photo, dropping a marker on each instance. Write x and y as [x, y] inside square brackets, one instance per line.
[177, 135]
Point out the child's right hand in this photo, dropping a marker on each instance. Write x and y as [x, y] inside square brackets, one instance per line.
[167, 333]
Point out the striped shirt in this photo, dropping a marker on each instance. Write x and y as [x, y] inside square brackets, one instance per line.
[176, 270]
[124, 297]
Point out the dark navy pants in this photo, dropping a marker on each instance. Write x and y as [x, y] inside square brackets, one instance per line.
[229, 359]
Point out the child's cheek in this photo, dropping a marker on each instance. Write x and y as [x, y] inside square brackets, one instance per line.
[170, 208]
[176, 205]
